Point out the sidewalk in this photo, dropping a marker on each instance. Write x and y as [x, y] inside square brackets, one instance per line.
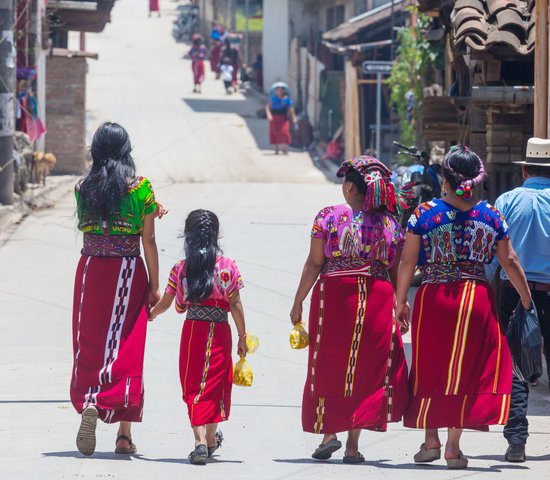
[37, 197]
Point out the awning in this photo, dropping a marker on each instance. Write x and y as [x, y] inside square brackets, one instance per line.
[80, 16]
[354, 26]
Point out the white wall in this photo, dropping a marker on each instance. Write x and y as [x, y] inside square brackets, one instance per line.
[275, 42]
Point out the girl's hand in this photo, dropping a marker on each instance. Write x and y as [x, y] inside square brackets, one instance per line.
[402, 316]
[161, 211]
[154, 296]
[296, 313]
[242, 347]
[151, 316]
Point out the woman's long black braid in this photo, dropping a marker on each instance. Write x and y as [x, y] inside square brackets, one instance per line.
[202, 229]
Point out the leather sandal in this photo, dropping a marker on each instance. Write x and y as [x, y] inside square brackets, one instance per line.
[457, 463]
[427, 455]
[125, 450]
[325, 450]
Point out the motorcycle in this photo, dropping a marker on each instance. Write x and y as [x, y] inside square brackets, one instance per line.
[425, 176]
[427, 180]
[186, 23]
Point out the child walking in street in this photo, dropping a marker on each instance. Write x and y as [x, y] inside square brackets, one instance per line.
[205, 285]
[226, 73]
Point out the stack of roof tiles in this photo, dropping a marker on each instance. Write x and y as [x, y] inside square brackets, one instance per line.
[503, 28]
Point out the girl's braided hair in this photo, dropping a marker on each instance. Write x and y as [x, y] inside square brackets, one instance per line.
[202, 229]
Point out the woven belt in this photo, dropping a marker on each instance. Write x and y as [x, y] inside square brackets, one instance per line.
[203, 313]
[453, 272]
[533, 286]
[111, 245]
[337, 267]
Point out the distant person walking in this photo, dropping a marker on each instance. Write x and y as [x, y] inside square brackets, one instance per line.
[226, 73]
[280, 112]
[461, 374]
[527, 213]
[216, 48]
[235, 57]
[205, 285]
[113, 290]
[154, 7]
[198, 54]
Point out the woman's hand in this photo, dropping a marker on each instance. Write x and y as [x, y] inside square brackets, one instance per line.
[154, 296]
[242, 347]
[402, 316]
[161, 211]
[527, 303]
[269, 118]
[296, 313]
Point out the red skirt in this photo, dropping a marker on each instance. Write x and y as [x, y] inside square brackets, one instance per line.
[215, 54]
[153, 5]
[461, 375]
[206, 371]
[279, 130]
[198, 71]
[357, 372]
[109, 329]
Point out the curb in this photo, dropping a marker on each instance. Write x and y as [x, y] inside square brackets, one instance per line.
[37, 197]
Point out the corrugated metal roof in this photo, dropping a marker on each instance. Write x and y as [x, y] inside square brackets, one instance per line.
[347, 30]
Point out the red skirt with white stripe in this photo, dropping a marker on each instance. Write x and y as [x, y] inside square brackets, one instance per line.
[357, 372]
[461, 375]
[109, 329]
[206, 371]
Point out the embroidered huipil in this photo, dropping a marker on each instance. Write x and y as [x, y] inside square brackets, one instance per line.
[451, 235]
[227, 280]
[357, 234]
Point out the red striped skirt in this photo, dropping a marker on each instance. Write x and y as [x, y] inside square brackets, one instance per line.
[198, 71]
[279, 130]
[461, 375]
[109, 329]
[206, 370]
[357, 372]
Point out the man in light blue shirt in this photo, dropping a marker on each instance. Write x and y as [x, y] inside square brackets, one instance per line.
[527, 213]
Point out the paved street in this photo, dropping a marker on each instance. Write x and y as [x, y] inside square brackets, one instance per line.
[208, 151]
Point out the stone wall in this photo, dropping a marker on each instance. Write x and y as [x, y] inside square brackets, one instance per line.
[66, 112]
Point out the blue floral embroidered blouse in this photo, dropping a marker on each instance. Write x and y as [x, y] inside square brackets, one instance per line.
[451, 235]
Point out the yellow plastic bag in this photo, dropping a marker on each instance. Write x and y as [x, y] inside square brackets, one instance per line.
[252, 342]
[299, 338]
[242, 373]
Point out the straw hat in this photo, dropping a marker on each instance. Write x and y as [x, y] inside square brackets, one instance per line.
[538, 152]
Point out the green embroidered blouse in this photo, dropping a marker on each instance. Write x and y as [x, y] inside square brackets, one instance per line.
[138, 202]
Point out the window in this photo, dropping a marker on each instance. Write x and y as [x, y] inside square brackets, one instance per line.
[339, 14]
[330, 18]
[379, 3]
[335, 16]
[360, 6]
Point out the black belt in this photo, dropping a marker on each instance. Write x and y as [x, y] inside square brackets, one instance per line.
[533, 286]
[203, 313]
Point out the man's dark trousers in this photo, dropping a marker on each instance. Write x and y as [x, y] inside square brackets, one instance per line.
[516, 430]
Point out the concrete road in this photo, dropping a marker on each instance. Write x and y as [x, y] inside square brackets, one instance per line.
[197, 155]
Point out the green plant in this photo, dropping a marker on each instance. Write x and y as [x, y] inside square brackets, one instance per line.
[414, 64]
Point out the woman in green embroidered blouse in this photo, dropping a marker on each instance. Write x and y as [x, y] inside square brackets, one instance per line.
[113, 289]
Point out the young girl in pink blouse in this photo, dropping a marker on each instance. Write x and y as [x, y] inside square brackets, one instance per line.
[205, 285]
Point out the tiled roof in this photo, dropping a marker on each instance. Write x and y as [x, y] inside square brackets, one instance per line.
[499, 27]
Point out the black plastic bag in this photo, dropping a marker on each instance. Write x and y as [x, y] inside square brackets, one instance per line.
[525, 342]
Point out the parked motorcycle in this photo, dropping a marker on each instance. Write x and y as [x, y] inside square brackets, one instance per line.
[186, 23]
[427, 180]
[425, 176]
